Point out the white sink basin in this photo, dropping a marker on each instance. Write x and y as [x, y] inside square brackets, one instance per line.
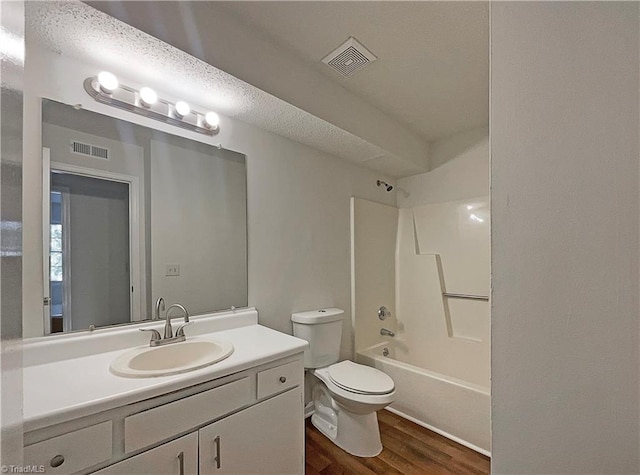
[147, 362]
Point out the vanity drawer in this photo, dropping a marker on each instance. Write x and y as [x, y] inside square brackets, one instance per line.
[275, 380]
[155, 425]
[72, 452]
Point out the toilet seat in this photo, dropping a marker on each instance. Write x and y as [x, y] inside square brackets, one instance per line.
[360, 379]
[356, 396]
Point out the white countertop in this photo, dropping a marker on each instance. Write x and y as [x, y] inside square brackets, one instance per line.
[68, 385]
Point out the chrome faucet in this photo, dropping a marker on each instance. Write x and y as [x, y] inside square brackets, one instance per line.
[168, 331]
[385, 332]
[156, 338]
[159, 307]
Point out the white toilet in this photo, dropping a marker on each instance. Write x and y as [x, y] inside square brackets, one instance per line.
[347, 395]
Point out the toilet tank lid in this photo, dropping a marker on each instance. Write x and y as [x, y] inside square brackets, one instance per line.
[323, 315]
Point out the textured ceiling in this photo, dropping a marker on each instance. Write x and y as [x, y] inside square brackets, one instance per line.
[432, 72]
[78, 31]
[430, 81]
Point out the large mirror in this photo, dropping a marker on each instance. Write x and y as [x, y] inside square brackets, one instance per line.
[132, 214]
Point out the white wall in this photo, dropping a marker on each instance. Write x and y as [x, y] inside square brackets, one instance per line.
[449, 336]
[199, 222]
[459, 170]
[564, 145]
[125, 158]
[299, 227]
[298, 200]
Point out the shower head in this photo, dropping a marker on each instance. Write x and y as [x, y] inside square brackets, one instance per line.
[386, 185]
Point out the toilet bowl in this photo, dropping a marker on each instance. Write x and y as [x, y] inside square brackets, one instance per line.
[346, 395]
[346, 398]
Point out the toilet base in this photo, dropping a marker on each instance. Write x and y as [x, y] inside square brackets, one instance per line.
[357, 434]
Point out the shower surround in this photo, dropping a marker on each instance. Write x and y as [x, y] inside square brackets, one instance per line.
[428, 262]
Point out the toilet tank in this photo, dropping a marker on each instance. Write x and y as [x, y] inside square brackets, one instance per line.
[323, 330]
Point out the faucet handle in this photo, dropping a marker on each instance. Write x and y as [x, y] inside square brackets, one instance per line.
[155, 334]
[180, 331]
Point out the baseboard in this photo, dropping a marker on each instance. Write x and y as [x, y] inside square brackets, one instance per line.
[441, 432]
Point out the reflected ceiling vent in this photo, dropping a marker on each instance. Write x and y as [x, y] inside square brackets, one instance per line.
[89, 150]
[349, 57]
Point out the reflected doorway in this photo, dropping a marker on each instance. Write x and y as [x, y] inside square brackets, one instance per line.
[89, 282]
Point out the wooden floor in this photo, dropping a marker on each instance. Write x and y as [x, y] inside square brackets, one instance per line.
[408, 449]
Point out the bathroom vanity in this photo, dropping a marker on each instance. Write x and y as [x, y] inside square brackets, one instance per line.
[243, 414]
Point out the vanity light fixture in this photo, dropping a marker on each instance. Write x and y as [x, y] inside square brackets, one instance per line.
[105, 88]
[211, 120]
[182, 109]
[108, 82]
[148, 96]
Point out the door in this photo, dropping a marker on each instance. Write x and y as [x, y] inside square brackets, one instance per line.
[94, 277]
[267, 438]
[91, 247]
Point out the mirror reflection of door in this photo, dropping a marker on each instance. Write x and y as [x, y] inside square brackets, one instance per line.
[93, 213]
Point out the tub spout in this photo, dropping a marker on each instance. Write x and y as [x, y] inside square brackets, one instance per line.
[385, 332]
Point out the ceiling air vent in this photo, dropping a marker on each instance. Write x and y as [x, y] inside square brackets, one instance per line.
[349, 57]
[89, 150]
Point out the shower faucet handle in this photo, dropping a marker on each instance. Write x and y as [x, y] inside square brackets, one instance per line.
[383, 313]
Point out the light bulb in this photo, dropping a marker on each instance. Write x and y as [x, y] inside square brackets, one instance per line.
[108, 82]
[212, 120]
[148, 96]
[182, 108]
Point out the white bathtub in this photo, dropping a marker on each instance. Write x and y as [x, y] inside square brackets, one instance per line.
[451, 407]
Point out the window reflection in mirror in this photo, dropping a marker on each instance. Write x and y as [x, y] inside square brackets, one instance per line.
[133, 214]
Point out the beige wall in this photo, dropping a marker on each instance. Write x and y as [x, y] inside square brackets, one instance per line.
[564, 159]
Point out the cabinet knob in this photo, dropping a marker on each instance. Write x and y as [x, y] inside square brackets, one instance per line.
[57, 461]
[283, 379]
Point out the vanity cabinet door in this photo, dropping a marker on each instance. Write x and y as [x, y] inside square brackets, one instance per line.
[267, 438]
[178, 457]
